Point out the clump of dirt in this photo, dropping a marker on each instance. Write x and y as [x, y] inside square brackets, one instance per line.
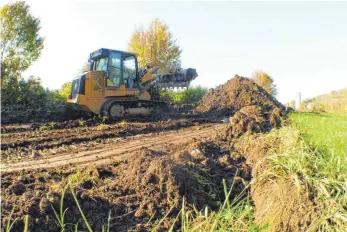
[147, 186]
[253, 119]
[282, 206]
[235, 94]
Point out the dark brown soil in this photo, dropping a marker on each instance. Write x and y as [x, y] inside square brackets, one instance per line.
[31, 139]
[282, 206]
[150, 185]
[254, 119]
[57, 113]
[235, 94]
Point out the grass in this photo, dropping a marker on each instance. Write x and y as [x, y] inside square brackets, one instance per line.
[323, 131]
[312, 154]
[234, 215]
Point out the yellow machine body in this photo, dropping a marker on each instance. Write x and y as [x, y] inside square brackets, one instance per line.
[96, 92]
[115, 85]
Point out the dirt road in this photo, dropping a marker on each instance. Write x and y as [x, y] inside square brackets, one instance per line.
[114, 149]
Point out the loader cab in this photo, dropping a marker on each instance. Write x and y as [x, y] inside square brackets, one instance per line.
[121, 68]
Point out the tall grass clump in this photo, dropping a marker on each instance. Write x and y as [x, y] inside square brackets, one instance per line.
[190, 95]
[312, 153]
[235, 214]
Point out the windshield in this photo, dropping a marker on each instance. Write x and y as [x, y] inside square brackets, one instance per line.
[101, 64]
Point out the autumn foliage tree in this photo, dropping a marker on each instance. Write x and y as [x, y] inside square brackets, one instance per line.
[266, 81]
[155, 44]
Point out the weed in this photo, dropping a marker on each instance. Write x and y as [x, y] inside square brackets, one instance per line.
[26, 223]
[80, 177]
[103, 126]
[79, 208]
[9, 224]
[44, 128]
[81, 122]
[52, 125]
[123, 123]
[104, 119]
[61, 217]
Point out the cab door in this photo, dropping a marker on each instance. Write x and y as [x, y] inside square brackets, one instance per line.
[115, 64]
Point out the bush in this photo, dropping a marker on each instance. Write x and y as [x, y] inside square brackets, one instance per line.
[183, 96]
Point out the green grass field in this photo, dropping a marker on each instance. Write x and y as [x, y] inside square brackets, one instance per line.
[323, 131]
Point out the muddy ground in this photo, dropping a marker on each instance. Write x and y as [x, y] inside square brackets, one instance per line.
[138, 175]
[140, 171]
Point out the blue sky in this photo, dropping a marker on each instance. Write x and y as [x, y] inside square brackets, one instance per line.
[302, 45]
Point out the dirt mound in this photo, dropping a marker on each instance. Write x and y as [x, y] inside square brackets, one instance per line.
[139, 192]
[253, 119]
[236, 94]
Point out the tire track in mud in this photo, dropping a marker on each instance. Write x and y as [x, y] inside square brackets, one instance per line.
[114, 152]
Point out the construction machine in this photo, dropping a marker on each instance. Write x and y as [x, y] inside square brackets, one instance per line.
[115, 86]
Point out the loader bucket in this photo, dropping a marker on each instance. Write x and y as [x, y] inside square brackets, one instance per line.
[182, 78]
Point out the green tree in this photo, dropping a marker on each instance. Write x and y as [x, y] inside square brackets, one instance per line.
[155, 44]
[266, 81]
[31, 94]
[20, 46]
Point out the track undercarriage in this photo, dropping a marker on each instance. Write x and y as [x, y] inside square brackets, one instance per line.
[118, 109]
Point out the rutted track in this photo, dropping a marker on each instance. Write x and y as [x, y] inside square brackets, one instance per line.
[121, 149]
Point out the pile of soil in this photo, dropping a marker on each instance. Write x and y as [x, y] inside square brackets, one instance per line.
[252, 108]
[149, 186]
[235, 94]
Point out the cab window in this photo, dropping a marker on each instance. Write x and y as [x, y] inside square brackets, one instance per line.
[115, 74]
[101, 64]
[129, 71]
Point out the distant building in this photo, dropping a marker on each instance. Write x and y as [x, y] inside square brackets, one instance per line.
[298, 100]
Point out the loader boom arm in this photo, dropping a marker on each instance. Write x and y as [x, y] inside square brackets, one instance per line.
[165, 77]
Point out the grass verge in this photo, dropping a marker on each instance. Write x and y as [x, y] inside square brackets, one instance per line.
[312, 154]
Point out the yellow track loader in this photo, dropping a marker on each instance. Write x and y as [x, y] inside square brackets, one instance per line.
[116, 87]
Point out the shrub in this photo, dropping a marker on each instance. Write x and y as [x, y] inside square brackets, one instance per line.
[183, 96]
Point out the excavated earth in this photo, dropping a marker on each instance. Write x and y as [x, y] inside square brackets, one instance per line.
[139, 172]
